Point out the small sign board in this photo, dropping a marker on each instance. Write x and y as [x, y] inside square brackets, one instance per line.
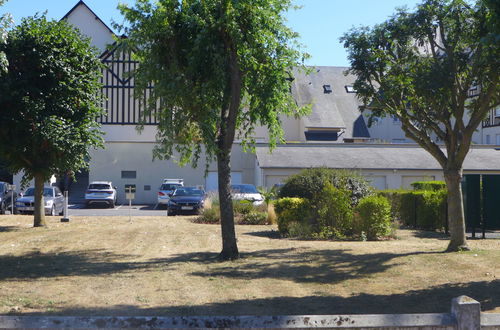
[130, 191]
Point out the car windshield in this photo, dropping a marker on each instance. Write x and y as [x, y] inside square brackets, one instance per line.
[169, 186]
[188, 192]
[244, 189]
[47, 192]
[99, 186]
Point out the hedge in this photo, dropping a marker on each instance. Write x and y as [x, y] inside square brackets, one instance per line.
[373, 217]
[418, 209]
[429, 185]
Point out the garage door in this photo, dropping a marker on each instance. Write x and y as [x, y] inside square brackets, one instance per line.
[378, 181]
[407, 180]
[271, 180]
[212, 180]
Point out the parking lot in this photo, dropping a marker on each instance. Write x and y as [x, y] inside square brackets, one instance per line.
[118, 210]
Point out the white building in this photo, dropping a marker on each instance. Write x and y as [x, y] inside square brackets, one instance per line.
[334, 135]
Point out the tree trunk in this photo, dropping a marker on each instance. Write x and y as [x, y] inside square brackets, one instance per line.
[39, 212]
[229, 247]
[456, 219]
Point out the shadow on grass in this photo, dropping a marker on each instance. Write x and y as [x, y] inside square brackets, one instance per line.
[75, 263]
[4, 229]
[274, 234]
[432, 300]
[299, 265]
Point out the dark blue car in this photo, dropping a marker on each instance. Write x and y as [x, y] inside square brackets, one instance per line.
[186, 200]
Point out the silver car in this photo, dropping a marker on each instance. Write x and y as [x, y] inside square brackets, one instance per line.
[52, 197]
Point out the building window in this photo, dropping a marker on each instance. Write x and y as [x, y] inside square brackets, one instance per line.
[488, 139]
[321, 136]
[497, 137]
[327, 89]
[350, 89]
[147, 187]
[129, 174]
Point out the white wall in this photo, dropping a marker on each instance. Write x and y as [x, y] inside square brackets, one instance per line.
[90, 26]
[107, 165]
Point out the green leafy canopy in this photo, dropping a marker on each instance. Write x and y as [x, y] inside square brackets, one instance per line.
[185, 50]
[49, 100]
[420, 66]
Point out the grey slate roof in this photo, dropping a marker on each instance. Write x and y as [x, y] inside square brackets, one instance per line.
[369, 156]
[337, 109]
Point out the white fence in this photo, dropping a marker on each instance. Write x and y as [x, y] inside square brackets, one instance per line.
[465, 315]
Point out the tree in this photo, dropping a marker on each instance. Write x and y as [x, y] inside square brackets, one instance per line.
[420, 66]
[219, 67]
[5, 23]
[49, 102]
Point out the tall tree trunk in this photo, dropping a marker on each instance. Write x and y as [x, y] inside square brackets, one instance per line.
[456, 219]
[229, 246]
[39, 212]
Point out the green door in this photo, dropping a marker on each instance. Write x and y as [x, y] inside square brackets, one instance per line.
[471, 188]
[491, 201]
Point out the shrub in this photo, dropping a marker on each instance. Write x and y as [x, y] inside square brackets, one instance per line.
[254, 218]
[429, 185]
[333, 212]
[290, 210]
[209, 215]
[271, 214]
[300, 230]
[394, 197]
[419, 209]
[242, 207]
[310, 182]
[373, 217]
[431, 213]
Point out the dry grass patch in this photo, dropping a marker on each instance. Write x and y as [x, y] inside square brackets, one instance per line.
[168, 266]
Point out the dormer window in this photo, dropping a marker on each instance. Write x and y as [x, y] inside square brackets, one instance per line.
[350, 89]
[327, 89]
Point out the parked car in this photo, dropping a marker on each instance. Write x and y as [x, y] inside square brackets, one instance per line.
[6, 197]
[186, 200]
[100, 192]
[52, 197]
[167, 188]
[246, 192]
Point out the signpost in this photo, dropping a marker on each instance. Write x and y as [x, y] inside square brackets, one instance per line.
[12, 188]
[65, 217]
[130, 194]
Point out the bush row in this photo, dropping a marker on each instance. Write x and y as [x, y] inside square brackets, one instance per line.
[424, 209]
[330, 215]
[244, 214]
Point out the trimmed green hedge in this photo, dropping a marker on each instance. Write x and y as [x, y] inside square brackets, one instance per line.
[429, 185]
[373, 217]
[418, 209]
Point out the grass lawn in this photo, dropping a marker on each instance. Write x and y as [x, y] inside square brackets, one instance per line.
[168, 266]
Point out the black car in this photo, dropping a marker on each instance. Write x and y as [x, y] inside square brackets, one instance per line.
[6, 197]
[186, 200]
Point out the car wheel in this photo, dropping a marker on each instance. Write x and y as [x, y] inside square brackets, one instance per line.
[53, 211]
[2, 208]
[112, 204]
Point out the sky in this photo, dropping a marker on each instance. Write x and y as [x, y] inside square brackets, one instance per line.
[320, 23]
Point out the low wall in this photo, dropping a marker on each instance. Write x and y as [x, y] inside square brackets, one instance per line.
[465, 315]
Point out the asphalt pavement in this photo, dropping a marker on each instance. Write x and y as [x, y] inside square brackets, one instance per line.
[118, 210]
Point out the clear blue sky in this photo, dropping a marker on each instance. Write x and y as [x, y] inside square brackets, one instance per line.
[320, 23]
